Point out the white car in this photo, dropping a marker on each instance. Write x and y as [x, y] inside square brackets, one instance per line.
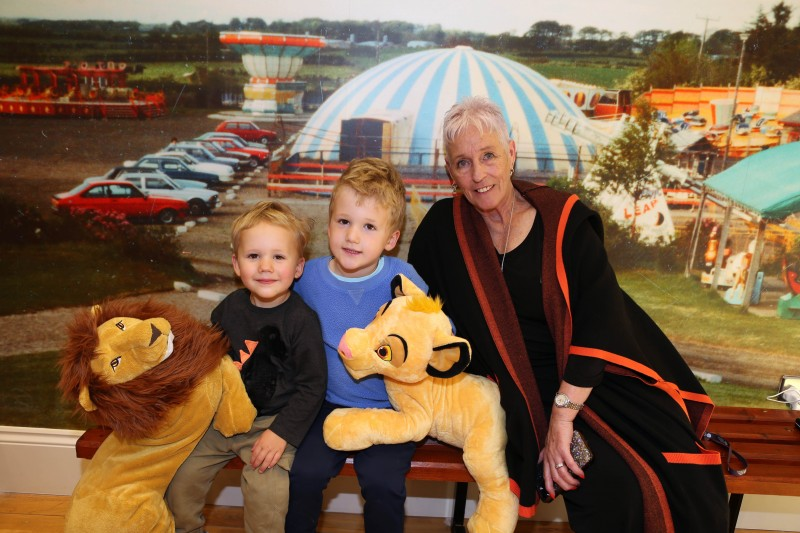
[201, 201]
[118, 171]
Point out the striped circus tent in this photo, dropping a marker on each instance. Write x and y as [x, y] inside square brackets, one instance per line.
[408, 96]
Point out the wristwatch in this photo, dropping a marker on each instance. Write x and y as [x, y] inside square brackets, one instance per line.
[562, 400]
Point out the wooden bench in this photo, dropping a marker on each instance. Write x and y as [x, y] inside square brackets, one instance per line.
[767, 438]
[769, 441]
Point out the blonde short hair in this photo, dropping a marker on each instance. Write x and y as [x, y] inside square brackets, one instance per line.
[478, 112]
[374, 178]
[275, 213]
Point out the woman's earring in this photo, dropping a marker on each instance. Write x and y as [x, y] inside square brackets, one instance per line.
[512, 172]
[455, 187]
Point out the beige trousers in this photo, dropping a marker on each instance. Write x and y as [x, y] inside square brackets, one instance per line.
[266, 496]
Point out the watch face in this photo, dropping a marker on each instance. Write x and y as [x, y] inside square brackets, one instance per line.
[561, 399]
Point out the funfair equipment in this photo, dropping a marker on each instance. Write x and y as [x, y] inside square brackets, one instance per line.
[84, 90]
[272, 60]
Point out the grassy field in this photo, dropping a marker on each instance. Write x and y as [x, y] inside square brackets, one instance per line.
[29, 394]
[93, 273]
[687, 312]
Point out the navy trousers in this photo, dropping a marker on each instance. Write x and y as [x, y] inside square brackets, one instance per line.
[381, 472]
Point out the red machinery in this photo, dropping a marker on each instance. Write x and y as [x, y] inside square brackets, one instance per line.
[79, 91]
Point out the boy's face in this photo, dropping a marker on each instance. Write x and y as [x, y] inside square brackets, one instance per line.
[358, 233]
[268, 261]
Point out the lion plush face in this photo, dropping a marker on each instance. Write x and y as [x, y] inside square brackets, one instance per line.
[409, 340]
[128, 347]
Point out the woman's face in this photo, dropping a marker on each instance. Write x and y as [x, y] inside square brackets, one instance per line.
[480, 165]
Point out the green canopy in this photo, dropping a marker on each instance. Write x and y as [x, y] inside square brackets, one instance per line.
[766, 183]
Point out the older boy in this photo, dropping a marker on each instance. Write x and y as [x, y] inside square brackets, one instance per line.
[365, 216]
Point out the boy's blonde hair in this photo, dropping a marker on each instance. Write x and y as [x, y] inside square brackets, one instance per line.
[374, 178]
[277, 214]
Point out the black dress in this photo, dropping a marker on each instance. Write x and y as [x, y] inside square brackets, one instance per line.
[572, 320]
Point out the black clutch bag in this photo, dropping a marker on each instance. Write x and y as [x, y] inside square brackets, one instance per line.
[580, 453]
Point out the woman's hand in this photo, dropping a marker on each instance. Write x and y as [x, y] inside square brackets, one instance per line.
[558, 464]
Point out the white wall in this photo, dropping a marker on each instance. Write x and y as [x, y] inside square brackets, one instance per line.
[42, 461]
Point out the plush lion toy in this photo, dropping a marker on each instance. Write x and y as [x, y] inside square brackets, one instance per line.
[157, 377]
[411, 344]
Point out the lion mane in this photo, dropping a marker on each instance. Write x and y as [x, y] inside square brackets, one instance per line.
[136, 408]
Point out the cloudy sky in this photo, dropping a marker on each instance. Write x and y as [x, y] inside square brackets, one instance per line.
[489, 16]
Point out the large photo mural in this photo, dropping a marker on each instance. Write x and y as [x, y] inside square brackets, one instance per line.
[132, 139]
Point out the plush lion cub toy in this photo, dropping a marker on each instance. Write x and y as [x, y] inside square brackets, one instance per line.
[157, 377]
[411, 344]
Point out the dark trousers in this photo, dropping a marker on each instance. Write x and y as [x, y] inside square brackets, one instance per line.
[381, 472]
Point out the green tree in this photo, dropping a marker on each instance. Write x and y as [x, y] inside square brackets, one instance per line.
[647, 40]
[674, 61]
[771, 44]
[628, 164]
[549, 35]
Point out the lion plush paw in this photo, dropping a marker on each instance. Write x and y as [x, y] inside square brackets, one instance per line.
[344, 429]
[496, 513]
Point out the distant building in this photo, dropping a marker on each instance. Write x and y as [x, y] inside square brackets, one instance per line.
[421, 44]
[375, 44]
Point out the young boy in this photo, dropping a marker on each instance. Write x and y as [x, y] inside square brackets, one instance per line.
[365, 216]
[276, 342]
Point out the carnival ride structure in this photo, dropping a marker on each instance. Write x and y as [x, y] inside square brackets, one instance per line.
[272, 60]
[79, 91]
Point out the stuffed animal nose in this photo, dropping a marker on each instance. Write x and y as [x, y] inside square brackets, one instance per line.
[344, 350]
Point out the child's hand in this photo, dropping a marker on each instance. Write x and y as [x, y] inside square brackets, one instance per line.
[266, 451]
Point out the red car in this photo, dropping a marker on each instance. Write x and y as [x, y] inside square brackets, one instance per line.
[248, 131]
[258, 156]
[120, 197]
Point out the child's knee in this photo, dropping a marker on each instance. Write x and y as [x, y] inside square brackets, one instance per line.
[382, 486]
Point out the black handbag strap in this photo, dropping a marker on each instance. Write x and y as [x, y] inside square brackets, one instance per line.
[722, 441]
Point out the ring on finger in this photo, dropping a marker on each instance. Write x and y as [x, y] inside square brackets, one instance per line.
[559, 465]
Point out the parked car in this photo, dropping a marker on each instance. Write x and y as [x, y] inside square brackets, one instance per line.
[248, 130]
[228, 135]
[120, 197]
[257, 156]
[174, 168]
[221, 169]
[219, 151]
[203, 155]
[118, 171]
[201, 201]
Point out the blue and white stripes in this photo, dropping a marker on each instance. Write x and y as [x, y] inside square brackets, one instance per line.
[426, 84]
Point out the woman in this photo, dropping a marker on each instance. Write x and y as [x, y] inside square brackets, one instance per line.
[524, 276]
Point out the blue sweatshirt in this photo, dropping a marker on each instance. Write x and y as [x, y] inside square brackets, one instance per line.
[344, 303]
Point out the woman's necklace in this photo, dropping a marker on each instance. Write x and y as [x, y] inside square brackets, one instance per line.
[508, 234]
